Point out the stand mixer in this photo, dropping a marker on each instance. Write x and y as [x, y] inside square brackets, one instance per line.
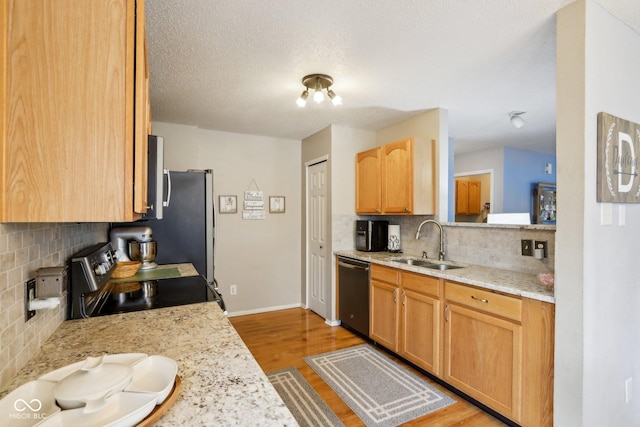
[134, 244]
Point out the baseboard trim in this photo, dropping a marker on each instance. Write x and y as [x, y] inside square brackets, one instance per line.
[263, 310]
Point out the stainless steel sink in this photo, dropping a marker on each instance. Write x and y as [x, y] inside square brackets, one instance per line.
[434, 265]
[411, 261]
[443, 266]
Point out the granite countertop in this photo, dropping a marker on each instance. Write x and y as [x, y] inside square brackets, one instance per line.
[222, 383]
[506, 281]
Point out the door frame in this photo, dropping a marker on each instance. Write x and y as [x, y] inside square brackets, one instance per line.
[331, 303]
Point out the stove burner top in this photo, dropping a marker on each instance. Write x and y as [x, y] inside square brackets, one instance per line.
[92, 294]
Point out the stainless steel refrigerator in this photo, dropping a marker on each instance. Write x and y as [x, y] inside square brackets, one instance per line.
[186, 232]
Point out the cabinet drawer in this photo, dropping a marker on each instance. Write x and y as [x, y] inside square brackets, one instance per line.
[487, 301]
[420, 283]
[384, 274]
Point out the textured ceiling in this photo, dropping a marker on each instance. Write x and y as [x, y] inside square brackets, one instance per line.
[236, 65]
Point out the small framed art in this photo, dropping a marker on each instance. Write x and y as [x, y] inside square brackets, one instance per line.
[228, 204]
[276, 204]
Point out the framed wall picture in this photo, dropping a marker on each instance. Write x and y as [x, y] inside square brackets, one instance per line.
[276, 204]
[228, 204]
[618, 179]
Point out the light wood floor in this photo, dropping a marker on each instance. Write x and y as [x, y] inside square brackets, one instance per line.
[280, 339]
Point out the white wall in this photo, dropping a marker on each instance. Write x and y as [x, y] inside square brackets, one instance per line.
[261, 257]
[597, 292]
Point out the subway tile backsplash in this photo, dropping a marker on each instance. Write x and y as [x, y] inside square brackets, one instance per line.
[24, 248]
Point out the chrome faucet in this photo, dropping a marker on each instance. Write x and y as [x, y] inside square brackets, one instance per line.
[441, 254]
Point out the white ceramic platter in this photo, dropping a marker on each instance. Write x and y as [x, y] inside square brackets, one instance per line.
[121, 358]
[155, 374]
[122, 410]
[28, 405]
[125, 403]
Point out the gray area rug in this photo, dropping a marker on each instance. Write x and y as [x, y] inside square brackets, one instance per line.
[378, 390]
[305, 404]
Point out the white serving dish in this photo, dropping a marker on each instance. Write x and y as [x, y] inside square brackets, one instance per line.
[122, 410]
[90, 385]
[155, 374]
[114, 390]
[122, 358]
[28, 405]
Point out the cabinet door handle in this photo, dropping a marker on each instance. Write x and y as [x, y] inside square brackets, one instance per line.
[407, 210]
[395, 291]
[446, 313]
[404, 297]
[486, 301]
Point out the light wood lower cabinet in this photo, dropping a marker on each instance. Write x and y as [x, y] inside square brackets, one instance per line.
[496, 348]
[483, 358]
[384, 314]
[405, 315]
[420, 321]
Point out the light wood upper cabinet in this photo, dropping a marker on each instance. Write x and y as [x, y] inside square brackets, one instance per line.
[368, 182]
[75, 96]
[397, 178]
[468, 196]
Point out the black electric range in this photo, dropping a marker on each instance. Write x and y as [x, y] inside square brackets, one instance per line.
[91, 293]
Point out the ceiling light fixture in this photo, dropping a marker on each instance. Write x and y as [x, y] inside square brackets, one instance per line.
[318, 82]
[515, 119]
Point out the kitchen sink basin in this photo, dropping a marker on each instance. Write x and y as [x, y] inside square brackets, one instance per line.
[411, 261]
[438, 266]
[432, 264]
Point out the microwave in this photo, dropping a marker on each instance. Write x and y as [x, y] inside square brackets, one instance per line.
[155, 177]
[371, 236]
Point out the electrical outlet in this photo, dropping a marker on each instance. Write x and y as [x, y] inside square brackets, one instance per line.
[527, 247]
[29, 294]
[542, 244]
[233, 289]
[628, 389]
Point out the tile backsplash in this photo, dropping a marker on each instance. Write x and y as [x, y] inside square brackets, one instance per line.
[489, 245]
[24, 248]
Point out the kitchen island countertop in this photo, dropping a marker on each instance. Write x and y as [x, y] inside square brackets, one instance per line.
[222, 383]
[506, 281]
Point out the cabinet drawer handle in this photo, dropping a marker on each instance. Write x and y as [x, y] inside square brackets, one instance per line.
[407, 210]
[486, 301]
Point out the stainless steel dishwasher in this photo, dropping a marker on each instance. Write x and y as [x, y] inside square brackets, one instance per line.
[353, 282]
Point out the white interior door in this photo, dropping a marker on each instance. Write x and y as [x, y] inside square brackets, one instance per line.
[318, 265]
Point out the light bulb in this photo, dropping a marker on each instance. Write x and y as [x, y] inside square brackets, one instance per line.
[335, 99]
[516, 121]
[318, 96]
[302, 100]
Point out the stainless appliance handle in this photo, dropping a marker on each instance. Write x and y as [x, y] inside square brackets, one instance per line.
[353, 266]
[165, 203]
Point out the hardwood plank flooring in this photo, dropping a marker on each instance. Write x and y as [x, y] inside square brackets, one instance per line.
[281, 339]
